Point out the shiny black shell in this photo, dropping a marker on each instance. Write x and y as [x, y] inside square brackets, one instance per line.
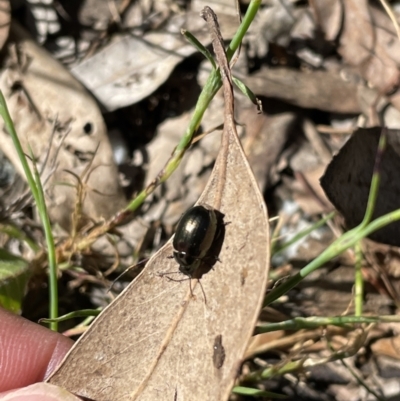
[193, 237]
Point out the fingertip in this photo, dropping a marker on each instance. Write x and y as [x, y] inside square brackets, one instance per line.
[39, 392]
[28, 351]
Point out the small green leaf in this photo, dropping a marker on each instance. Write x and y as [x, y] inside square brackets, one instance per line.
[195, 43]
[255, 392]
[248, 93]
[14, 276]
[73, 315]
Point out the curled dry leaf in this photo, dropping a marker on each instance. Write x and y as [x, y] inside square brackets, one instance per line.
[161, 339]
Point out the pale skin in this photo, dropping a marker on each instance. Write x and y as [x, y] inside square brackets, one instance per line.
[28, 354]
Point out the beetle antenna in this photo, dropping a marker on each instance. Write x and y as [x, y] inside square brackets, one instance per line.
[190, 287]
[202, 290]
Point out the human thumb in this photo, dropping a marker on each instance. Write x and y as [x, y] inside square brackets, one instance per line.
[39, 392]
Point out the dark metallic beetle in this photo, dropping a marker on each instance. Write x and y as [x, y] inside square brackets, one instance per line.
[193, 237]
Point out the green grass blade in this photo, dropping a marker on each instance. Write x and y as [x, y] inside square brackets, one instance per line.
[37, 192]
[255, 392]
[73, 315]
[199, 46]
[314, 322]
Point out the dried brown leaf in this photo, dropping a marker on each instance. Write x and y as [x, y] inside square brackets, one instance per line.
[266, 136]
[157, 339]
[387, 346]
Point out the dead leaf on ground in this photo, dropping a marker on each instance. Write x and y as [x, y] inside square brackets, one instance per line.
[131, 68]
[43, 97]
[159, 340]
[387, 346]
[5, 20]
[265, 131]
[322, 90]
[369, 43]
[347, 180]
